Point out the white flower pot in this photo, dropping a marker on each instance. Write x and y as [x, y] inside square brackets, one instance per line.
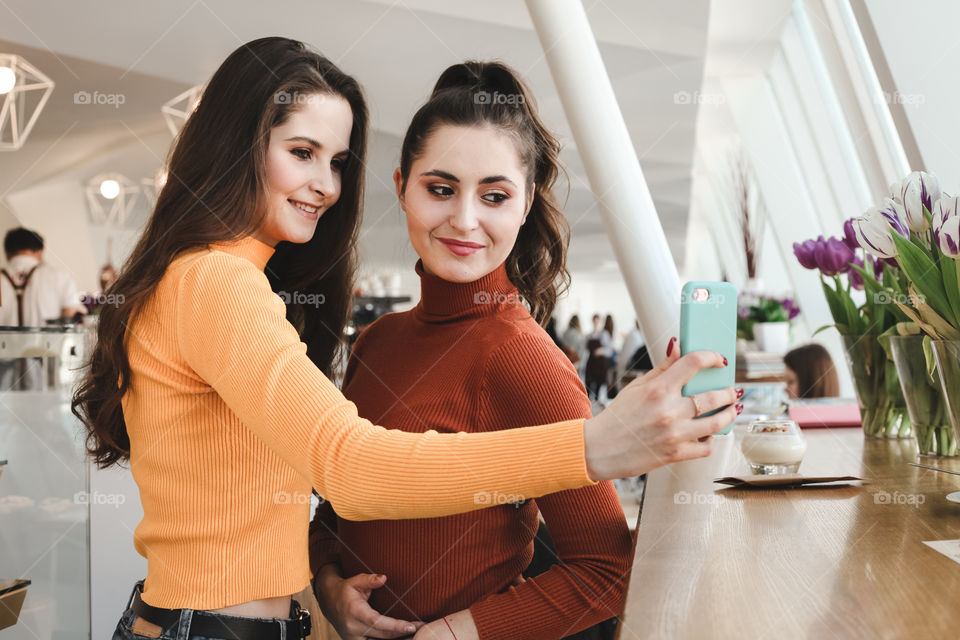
[772, 337]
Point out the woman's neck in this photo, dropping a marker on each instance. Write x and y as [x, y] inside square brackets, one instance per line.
[444, 301]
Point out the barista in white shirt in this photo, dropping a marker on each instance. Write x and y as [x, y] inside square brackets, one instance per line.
[31, 293]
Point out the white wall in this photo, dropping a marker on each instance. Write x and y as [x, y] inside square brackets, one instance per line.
[919, 43]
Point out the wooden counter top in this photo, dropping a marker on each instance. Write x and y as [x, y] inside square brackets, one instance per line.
[838, 562]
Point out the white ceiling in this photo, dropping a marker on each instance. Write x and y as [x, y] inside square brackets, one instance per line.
[653, 49]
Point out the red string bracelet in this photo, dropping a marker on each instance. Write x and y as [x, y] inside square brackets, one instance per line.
[449, 627]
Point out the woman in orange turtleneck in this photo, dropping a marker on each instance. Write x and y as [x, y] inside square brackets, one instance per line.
[475, 180]
[209, 373]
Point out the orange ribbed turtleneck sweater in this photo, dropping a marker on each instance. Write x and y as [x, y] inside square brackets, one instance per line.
[469, 357]
[231, 425]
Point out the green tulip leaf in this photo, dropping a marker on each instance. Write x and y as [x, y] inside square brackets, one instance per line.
[948, 267]
[931, 361]
[923, 274]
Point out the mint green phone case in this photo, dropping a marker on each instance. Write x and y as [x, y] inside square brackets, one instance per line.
[710, 325]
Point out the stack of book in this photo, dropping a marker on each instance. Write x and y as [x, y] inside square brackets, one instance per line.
[759, 364]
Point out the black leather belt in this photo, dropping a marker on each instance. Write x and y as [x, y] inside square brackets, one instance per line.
[225, 626]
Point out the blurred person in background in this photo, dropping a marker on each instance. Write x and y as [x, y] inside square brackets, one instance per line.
[600, 348]
[810, 373]
[32, 294]
[575, 344]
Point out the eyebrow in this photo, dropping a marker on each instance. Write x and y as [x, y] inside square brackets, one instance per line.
[452, 178]
[313, 143]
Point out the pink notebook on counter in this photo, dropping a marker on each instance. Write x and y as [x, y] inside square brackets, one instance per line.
[832, 414]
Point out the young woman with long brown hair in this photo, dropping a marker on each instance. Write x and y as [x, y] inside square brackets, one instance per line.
[209, 376]
[476, 177]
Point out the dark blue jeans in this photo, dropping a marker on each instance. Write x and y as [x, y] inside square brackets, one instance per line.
[179, 631]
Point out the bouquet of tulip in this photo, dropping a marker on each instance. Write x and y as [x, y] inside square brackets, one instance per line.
[919, 228]
[842, 271]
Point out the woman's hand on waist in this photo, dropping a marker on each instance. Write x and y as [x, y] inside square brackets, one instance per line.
[345, 603]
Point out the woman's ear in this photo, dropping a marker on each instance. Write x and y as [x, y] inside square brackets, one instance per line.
[398, 183]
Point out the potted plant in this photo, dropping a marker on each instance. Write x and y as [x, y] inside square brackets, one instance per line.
[766, 320]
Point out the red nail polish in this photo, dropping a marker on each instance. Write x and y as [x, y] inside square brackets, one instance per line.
[724, 361]
[670, 346]
[739, 393]
[739, 409]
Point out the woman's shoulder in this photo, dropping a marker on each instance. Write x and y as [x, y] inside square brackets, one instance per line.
[522, 340]
[209, 264]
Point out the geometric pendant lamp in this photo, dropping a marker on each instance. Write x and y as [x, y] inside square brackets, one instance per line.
[176, 110]
[24, 91]
[111, 198]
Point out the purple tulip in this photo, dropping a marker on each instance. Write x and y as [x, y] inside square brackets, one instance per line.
[805, 253]
[833, 256]
[849, 235]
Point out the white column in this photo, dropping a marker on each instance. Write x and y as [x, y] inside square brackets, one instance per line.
[612, 167]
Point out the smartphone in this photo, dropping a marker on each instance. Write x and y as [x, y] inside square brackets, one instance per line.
[708, 322]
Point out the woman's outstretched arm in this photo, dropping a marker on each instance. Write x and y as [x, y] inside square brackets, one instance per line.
[233, 333]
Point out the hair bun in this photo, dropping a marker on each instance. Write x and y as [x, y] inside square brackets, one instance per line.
[493, 77]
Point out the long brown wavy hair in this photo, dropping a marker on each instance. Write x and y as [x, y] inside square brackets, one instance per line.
[491, 93]
[215, 191]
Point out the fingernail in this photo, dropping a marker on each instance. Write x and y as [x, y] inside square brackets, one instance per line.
[670, 346]
[724, 360]
[739, 409]
[410, 629]
[739, 393]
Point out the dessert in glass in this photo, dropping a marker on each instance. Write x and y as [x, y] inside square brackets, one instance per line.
[773, 446]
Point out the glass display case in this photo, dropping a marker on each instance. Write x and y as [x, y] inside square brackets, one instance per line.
[44, 484]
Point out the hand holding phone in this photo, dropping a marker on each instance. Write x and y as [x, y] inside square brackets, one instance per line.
[708, 321]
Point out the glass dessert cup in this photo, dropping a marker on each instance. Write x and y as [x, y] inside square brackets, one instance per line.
[773, 446]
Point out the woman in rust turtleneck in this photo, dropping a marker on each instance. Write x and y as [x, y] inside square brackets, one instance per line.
[475, 179]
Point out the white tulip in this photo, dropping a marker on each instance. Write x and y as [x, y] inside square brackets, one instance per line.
[895, 192]
[946, 225]
[874, 228]
[918, 190]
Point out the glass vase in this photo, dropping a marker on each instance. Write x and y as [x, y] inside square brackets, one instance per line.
[947, 356]
[923, 393]
[883, 410]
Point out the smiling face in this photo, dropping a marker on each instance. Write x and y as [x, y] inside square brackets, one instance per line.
[465, 200]
[304, 160]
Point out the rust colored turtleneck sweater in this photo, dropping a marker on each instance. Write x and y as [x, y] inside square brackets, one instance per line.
[470, 357]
